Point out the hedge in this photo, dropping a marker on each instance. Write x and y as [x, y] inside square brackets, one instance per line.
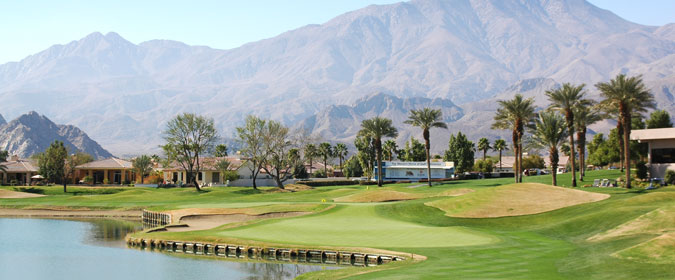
[324, 183]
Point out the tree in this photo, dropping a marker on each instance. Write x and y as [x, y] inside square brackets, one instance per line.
[500, 145]
[310, 153]
[279, 154]
[584, 116]
[659, 119]
[461, 152]
[629, 96]
[565, 99]
[221, 150]
[340, 152]
[484, 165]
[52, 162]
[366, 154]
[326, 152]
[515, 114]
[377, 128]
[426, 119]
[353, 167]
[143, 166]
[71, 162]
[188, 136]
[484, 145]
[389, 148]
[533, 161]
[250, 137]
[224, 166]
[549, 132]
[413, 151]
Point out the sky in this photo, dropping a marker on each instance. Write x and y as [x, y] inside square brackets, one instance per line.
[30, 26]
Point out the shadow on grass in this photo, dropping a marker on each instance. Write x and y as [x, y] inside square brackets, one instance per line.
[30, 190]
[248, 191]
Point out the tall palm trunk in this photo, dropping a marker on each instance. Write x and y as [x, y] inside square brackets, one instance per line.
[581, 144]
[619, 132]
[310, 166]
[570, 127]
[520, 159]
[515, 150]
[378, 155]
[500, 159]
[325, 166]
[626, 141]
[553, 156]
[425, 133]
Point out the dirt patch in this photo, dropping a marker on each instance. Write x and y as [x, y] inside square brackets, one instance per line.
[456, 192]
[658, 221]
[201, 222]
[13, 194]
[47, 213]
[378, 196]
[514, 200]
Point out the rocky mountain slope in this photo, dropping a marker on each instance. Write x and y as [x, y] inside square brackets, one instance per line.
[32, 133]
[465, 51]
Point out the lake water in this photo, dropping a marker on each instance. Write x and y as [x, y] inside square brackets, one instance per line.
[95, 249]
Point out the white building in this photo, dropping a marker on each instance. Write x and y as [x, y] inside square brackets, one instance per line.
[661, 147]
[415, 170]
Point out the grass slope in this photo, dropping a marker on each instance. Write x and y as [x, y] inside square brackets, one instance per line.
[514, 200]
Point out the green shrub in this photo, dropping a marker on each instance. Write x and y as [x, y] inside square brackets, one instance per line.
[670, 177]
[88, 179]
[319, 174]
[327, 183]
[30, 190]
[642, 170]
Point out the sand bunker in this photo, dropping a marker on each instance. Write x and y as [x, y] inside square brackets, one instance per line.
[378, 196]
[13, 194]
[658, 221]
[201, 222]
[514, 200]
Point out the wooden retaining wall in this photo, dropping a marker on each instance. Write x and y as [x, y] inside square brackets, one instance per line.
[318, 256]
[153, 218]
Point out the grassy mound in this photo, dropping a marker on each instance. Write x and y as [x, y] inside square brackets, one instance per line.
[660, 250]
[378, 196]
[514, 200]
[357, 226]
[658, 221]
[456, 192]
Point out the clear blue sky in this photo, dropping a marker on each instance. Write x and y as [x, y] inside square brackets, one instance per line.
[30, 26]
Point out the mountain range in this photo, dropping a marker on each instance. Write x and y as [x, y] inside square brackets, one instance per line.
[32, 133]
[468, 53]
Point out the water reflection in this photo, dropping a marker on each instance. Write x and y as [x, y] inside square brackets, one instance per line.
[90, 249]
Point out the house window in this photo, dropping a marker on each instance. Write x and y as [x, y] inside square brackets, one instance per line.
[215, 177]
[199, 176]
[663, 155]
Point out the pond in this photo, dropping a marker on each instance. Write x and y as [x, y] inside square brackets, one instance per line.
[95, 249]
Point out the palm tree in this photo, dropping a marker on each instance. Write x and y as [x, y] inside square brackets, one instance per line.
[500, 145]
[425, 119]
[583, 117]
[515, 114]
[376, 128]
[564, 99]
[630, 96]
[484, 145]
[325, 151]
[310, 153]
[389, 148]
[340, 152]
[549, 132]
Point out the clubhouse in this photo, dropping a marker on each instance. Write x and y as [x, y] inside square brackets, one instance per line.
[661, 147]
[415, 170]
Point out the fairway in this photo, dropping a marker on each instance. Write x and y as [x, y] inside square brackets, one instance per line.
[358, 226]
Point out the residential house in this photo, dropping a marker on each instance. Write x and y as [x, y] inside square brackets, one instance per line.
[209, 174]
[106, 171]
[661, 149]
[19, 171]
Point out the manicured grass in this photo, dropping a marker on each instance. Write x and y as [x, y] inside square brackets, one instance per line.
[357, 226]
[548, 245]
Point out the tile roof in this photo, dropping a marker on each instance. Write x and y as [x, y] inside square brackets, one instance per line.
[652, 134]
[20, 166]
[109, 163]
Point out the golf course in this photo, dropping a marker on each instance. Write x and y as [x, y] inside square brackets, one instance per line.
[471, 229]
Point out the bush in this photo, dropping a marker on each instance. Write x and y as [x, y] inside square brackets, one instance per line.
[30, 190]
[166, 186]
[641, 170]
[670, 177]
[327, 183]
[319, 174]
[88, 179]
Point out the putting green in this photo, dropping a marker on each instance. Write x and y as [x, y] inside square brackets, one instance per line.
[358, 226]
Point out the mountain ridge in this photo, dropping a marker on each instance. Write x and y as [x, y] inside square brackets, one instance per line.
[465, 51]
